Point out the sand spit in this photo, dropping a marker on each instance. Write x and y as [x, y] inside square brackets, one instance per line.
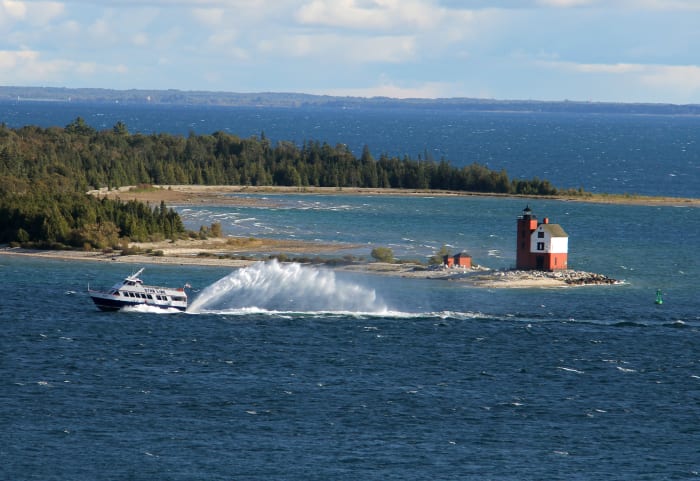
[222, 195]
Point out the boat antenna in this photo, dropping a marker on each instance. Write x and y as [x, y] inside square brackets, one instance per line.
[136, 274]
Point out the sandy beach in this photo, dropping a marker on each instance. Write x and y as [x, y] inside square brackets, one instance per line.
[199, 256]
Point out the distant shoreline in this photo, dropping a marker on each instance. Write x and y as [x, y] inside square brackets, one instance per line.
[155, 97]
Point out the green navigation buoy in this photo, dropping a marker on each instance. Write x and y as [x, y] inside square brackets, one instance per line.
[659, 300]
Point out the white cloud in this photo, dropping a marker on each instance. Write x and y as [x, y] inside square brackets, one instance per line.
[567, 3]
[430, 48]
[680, 81]
[32, 13]
[140, 40]
[672, 5]
[385, 88]
[102, 30]
[618, 68]
[225, 42]
[622, 5]
[10, 59]
[685, 78]
[211, 17]
[17, 67]
[222, 38]
[338, 48]
[10, 10]
[371, 15]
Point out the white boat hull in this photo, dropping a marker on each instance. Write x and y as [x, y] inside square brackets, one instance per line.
[132, 292]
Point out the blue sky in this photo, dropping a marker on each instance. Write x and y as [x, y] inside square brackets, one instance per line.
[597, 50]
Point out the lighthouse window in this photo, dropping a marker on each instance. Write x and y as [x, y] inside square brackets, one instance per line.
[540, 235]
[540, 246]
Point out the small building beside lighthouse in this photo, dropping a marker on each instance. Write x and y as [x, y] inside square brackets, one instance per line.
[541, 246]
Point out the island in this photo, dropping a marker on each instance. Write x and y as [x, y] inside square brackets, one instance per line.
[237, 252]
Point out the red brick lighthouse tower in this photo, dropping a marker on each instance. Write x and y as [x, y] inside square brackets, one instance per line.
[527, 223]
[541, 245]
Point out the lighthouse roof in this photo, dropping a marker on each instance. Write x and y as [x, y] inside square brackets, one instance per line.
[555, 230]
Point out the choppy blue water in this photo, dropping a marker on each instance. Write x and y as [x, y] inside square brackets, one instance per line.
[636, 154]
[294, 372]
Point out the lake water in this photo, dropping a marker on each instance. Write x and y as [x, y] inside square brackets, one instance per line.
[635, 154]
[296, 372]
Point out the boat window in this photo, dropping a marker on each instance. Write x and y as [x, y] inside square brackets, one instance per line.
[149, 296]
[179, 299]
[131, 294]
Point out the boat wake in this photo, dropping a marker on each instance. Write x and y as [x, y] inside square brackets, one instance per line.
[286, 289]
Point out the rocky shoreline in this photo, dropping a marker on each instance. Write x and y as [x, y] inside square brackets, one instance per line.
[510, 278]
[480, 276]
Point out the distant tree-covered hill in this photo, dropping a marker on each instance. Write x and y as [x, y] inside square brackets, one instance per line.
[295, 100]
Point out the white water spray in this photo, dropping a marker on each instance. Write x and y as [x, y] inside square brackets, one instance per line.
[271, 286]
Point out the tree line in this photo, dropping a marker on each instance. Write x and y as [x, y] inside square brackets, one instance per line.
[87, 158]
[45, 172]
[56, 220]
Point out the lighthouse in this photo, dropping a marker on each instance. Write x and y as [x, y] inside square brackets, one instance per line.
[541, 246]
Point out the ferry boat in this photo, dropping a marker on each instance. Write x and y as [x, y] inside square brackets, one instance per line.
[132, 292]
